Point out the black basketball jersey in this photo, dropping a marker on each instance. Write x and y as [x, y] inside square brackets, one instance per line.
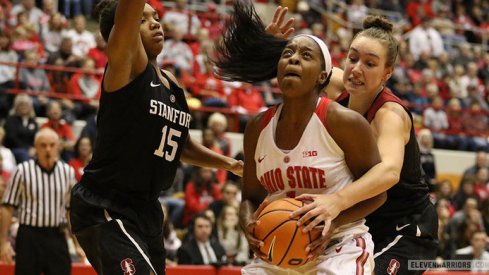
[142, 129]
[410, 194]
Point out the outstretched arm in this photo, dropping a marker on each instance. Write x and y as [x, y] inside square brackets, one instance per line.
[392, 126]
[197, 154]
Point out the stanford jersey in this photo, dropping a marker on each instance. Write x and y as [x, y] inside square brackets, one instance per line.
[316, 165]
[142, 130]
[405, 227]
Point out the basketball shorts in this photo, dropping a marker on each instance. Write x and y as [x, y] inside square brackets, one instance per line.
[353, 255]
[411, 238]
[113, 245]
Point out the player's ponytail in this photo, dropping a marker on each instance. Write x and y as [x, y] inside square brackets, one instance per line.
[381, 29]
[247, 52]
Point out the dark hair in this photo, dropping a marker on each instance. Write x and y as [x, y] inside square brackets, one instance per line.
[380, 28]
[247, 52]
[199, 183]
[197, 215]
[105, 11]
[78, 142]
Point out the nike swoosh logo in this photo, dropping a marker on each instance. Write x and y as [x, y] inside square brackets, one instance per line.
[261, 159]
[338, 249]
[270, 250]
[399, 228]
[154, 85]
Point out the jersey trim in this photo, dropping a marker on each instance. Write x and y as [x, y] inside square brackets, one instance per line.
[322, 110]
[267, 117]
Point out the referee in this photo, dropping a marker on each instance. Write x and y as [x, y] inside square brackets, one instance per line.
[39, 191]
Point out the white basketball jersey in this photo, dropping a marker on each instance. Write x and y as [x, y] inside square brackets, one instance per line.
[315, 166]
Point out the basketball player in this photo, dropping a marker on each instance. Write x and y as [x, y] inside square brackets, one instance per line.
[143, 127]
[405, 227]
[307, 144]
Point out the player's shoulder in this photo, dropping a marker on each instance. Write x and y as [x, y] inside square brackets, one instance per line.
[257, 123]
[341, 114]
[392, 108]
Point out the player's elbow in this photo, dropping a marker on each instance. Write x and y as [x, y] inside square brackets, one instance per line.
[392, 175]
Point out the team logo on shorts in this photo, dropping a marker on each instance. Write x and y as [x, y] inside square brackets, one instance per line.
[394, 266]
[128, 267]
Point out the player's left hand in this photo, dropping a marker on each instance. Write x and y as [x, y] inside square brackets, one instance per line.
[322, 208]
[237, 168]
[277, 27]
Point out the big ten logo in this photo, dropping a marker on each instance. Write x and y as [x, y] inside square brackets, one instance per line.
[307, 154]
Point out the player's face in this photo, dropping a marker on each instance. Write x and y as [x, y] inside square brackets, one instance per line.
[151, 32]
[365, 70]
[300, 67]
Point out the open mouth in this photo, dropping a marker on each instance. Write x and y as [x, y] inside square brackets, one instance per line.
[356, 82]
[292, 75]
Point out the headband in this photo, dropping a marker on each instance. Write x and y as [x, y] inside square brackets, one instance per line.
[324, 49]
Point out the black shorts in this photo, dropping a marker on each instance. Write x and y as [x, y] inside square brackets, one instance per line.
[114, 245]
[403, 239]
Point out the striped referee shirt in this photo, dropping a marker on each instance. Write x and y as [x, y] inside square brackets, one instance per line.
[41, 197]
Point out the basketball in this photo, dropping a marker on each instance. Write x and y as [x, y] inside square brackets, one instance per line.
[284, 242]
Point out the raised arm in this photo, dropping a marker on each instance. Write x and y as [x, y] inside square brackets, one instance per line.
[126, 55]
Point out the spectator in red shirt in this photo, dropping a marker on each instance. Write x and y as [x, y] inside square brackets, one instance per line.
[200, 192]
[417, 9]
[85, 86]
[246, 100]
[62, 128]
[83, 154]
[98, 53]
[209, 88]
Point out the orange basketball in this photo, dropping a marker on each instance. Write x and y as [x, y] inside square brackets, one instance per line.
[284, 242]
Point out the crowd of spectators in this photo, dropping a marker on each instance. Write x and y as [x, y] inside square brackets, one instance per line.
[52, 67]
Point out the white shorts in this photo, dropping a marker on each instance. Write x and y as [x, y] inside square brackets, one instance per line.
[351, 256]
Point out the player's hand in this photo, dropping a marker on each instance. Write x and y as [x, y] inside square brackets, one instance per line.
[253, 242]
[277, 27]
[316, 248]
[322, 208]
[237, 168]
[7, 253]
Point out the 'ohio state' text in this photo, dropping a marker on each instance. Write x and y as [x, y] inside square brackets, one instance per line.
[296, 177]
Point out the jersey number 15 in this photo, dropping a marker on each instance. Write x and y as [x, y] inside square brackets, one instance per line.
[168, 141]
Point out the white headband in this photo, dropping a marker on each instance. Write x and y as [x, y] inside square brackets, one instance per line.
[324, 49]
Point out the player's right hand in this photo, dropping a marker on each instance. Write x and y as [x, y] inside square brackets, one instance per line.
[253, 242]
[7, 253]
